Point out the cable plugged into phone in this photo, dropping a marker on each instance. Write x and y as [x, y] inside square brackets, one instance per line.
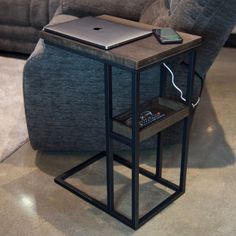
[177, 88]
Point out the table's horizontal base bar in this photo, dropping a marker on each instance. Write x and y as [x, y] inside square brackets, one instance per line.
[148, 174]
[160, 207]
[61, 181]
[93, 201]
[81, 166]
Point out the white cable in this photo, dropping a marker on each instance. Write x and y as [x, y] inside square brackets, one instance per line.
[196, 103]
[173, 82]
[177, 88]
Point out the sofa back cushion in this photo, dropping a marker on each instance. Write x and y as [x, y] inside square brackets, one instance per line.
[212, 19]
[14, 12]
[52, 7]
[39, 13]
[121, 8]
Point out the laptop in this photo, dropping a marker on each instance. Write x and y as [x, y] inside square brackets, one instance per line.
[97, 32]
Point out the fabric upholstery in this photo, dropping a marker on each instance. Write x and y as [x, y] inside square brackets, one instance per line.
[173, 4]
[64, 92]
[121, 8]
[60, 18]
[21, 21]
[19, 33]
[10, 45]
[39, 13]
[212, 19]
[15, 12]
[52, 7]
[157, 13]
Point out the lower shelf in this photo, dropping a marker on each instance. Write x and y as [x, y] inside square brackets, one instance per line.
[174, 112]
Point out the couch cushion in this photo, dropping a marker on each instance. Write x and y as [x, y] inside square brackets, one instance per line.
[52, 7]
[61, 19]
[14, 12]
[121, 8]
[212, 19]
[39, 13]
[156, 13]
[9, 45]
[19, 33]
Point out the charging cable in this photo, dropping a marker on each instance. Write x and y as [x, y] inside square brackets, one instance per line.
[177, 88]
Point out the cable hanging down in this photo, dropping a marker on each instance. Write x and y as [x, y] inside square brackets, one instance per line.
[177, 88]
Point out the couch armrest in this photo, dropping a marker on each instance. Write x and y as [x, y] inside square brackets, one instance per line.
[212, 19]
[156, 13]
[52, 7]
[39, 13]
[42, 11]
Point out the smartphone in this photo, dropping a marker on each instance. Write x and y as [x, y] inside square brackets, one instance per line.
[167, 36]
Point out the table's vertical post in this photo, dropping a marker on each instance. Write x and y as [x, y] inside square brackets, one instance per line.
[163, 76]
[162, 87]
[187, 121]
[109, 142]
[135, 147]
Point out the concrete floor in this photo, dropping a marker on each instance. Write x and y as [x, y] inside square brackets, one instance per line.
[31, 204]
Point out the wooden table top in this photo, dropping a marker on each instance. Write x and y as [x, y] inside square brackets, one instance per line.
[134, 55]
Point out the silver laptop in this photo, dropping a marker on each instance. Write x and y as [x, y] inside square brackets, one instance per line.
[97, 32]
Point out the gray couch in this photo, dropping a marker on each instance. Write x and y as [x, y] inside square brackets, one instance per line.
[64, 93]
[21, 21]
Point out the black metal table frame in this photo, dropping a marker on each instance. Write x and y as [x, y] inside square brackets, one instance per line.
[135, 222]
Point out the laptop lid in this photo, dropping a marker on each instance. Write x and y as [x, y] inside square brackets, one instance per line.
[97, 32]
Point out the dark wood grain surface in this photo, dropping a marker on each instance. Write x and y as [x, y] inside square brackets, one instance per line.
[134, 55]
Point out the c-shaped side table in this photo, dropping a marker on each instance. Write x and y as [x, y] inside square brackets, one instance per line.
[134, 57]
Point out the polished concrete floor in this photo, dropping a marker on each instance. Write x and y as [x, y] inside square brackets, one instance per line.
[31, 204]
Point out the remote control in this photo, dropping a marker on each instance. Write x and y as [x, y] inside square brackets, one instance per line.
[148, 118]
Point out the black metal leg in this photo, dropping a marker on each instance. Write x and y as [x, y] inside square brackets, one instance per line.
[191, 72]
[159, 156]
[159, 135]
[109, 142]
[187, 121]
[135, 147]
[163, 76]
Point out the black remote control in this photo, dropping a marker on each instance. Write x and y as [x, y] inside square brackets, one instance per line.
[147, 118]
[150, 118]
